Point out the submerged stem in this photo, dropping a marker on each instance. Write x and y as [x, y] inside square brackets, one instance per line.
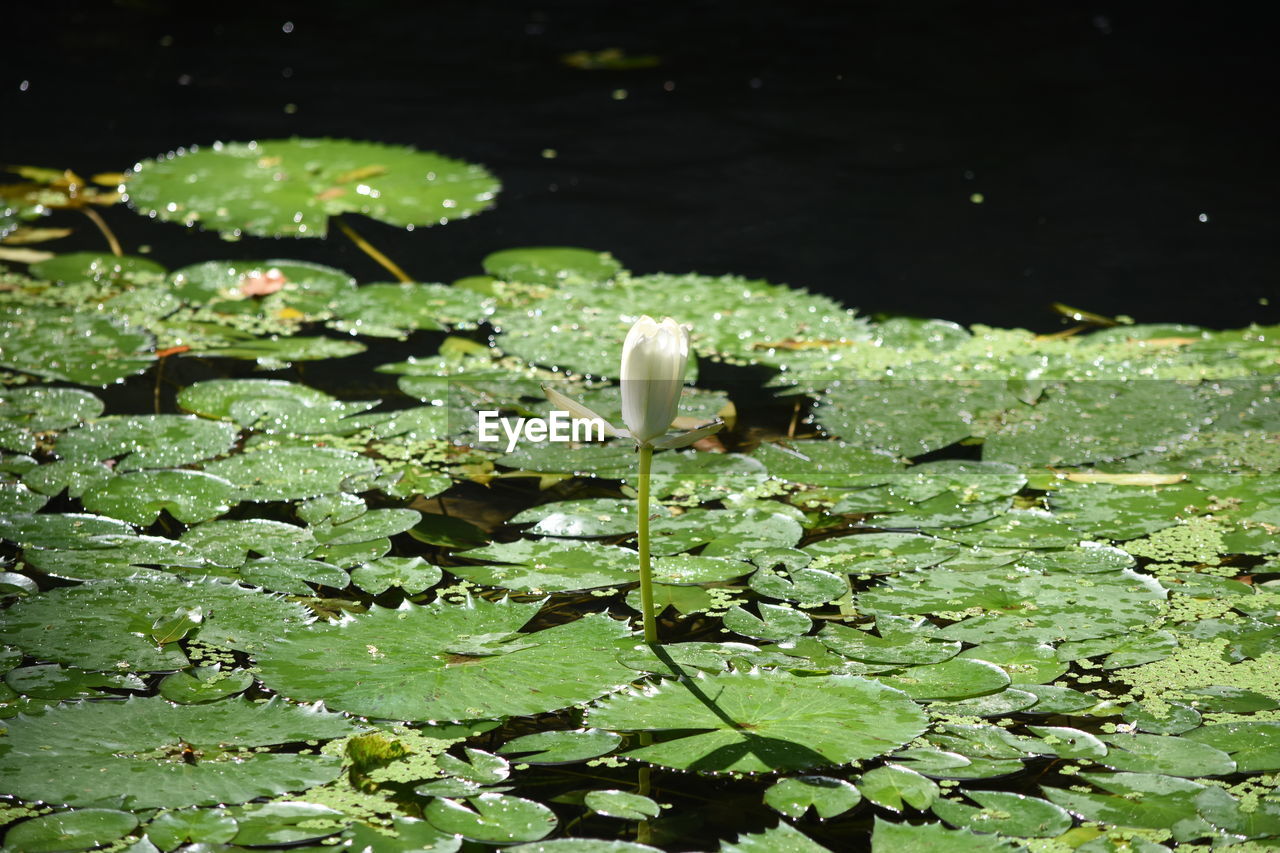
[366, 247]
[642, 543]
[105, 229]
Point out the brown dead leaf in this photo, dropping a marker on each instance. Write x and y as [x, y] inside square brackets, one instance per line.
[360, 174]
[27, 236]
[24, 256]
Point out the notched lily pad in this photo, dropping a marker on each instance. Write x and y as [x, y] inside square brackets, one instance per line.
[761, 721]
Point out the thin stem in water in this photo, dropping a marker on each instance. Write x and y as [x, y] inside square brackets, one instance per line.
[366, 247]
[642, 544]
[96, 219]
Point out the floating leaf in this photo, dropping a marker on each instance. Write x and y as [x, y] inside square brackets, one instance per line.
[890, 786]
[50, 681]
[495, 818]
[171, 829]
[551, 265]
[561, 747]
[73, 830]
[621, 804]
[292, 473]
[275, 406]
[759, 721]
[204, 684]
[447, 662]
[909, 417]
[1173, 756]
[933, 838]
[286, 822]
[783, 838]
[1254, 745]
[395, 310]
[140, 497]
[147, 441]
[105, 625]
[290, 187]
[1093, 421]
[953, 679]
[754, 320]
[1005, 813]
[411, 574]
[131, 752]
[1040, 607]
[84, 348]
[827, 796]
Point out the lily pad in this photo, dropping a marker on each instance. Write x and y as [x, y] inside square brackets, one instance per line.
[828, 797]
[131, 752]
[754, 320]
[760, 721]
[171, 829]
[447, 662]
[140, 497]
[106, 625]
[290, 187]
[551, 265]
[909, 417]
[293, 473]
[395, 310]
[621, 804]
[494, 818]
[957, 678]
[561, 747]
[1096, 420]
[73, 830]
[86, 348]
[890, 786]
[204, 684]
[276, 406]
[1017, 602]
[147, 441]
[1005, 813]
[1169, 755]
[889, 837]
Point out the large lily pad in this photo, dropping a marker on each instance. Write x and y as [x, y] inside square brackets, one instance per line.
[751, 320]
[448, 662]
[761, 721]
[107, 625]
[148, 753]
[1018, 602]
[293, 473]
[276, 406]
[147, 441]
[1095, 421]
[290, 187]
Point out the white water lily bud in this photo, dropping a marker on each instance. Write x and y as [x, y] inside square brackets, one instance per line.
[654, 357]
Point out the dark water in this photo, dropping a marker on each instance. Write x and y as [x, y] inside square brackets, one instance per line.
[830, 145]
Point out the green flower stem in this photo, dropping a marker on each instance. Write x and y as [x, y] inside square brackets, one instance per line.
[642, 541]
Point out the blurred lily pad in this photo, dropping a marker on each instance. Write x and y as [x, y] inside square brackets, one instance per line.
[551, 265]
